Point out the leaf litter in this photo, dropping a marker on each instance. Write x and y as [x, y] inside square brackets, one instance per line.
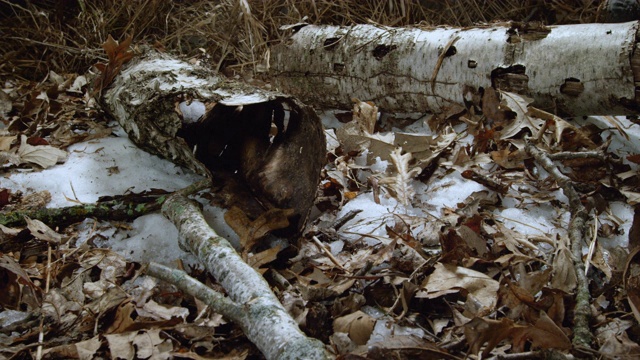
[409, 271]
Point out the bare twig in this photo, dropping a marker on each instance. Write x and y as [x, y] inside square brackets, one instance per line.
[218, 302]
[328, 253]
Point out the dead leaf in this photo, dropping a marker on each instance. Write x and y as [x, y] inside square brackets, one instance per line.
[407, 347]
[42, 232]
[358, 325]
[6, 141]
[121, 345]
[454, 248]
[545, 334]
[492, 110]
[252, 231]
[44, 156]
[634, 158]
[153, 310]
[448, 279]
[118, 54]
[633, 198]
[619, 347]
[518, 104]
[564, 273]
[512, 240]
[366, 115]
[509, 159]
[5, 105]
[634, 232]
[400, 185]
[570, 137]
[140, 345]
[479, 331]
[347, 304]
[632, 282]
[263, 257]
[15, 281]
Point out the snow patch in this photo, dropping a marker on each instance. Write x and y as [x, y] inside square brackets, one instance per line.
[191, 112]
[108, 166]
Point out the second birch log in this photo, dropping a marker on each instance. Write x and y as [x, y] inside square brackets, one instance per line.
[572, 70]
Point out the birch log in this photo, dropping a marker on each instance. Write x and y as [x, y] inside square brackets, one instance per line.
[265, 143]
[279, 161]
[572, 70]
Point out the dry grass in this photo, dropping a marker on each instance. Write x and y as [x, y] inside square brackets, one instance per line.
[65, 35]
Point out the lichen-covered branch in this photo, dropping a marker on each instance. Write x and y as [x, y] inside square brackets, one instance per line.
[111, 210]
[268, 325]
[118, 210]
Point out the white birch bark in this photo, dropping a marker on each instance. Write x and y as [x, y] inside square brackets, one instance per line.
[144, 99]
[567, 69]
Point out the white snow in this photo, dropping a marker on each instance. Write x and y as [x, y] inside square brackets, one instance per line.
[108, 166]
[191, 112]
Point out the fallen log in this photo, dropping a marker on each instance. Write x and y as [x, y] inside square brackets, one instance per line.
[571, 70]
[263, 148]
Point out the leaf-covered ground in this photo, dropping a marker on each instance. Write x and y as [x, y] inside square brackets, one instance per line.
[443, 236]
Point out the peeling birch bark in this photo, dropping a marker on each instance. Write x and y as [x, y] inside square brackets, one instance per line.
[572, 70]
[265, 321]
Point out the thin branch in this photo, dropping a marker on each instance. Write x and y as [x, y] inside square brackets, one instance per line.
[120, 210]
[267, 325]
[218, 302]
[582, 335]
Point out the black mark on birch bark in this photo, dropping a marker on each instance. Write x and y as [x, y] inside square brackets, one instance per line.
[331, 43]
[572, 87]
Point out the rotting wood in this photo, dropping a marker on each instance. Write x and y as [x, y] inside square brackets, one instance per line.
[571, 70]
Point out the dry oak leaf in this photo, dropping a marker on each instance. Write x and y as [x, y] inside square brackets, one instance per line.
[479, 331]
[545, 334]
[358, 325]
[250, 232]
[42, 232]
[564, 274]
[448, 279]
[118, 54]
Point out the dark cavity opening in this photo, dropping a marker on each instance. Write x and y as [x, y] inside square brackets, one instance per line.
[572, 87]
[331, 43]
[382, 50]
[451, 51]
[511, 78]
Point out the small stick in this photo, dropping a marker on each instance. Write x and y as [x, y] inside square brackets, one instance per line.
[328, 253]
